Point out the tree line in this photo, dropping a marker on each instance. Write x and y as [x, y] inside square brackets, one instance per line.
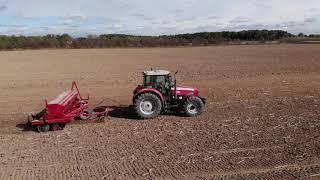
[120, 40]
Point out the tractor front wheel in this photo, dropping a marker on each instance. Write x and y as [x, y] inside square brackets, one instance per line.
[147, 106]
[193, 106]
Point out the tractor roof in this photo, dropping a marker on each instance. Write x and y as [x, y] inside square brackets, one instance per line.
[156, 72]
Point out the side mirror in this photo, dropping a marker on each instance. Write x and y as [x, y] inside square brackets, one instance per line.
[176, 73]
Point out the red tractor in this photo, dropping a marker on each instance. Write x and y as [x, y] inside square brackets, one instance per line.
[160, 93]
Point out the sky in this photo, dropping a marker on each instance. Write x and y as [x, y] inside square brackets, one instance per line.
[156, 17]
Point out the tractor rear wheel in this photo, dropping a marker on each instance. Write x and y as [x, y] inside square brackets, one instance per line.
[147, 106]
[193, 106]
[43, 128]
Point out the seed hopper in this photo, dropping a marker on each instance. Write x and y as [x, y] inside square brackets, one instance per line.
[68, 106]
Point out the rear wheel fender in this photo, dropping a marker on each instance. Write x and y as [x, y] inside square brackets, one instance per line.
[149, 90]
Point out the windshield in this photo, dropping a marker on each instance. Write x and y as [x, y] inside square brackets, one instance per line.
[153, 81]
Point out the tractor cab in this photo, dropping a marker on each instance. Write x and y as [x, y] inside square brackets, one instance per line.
[157, 79]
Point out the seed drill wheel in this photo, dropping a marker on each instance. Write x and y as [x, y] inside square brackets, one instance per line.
[193, 106]
[85, 115]
[101, 112]
[43, 128]
[147, 106]
[56, 127]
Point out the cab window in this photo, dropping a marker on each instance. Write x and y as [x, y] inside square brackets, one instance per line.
[154, 80]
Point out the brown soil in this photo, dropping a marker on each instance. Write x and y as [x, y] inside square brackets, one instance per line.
[262, 119]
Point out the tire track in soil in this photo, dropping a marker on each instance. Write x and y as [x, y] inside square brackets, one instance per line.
[290, 172]
[141, 168]
[96, 172]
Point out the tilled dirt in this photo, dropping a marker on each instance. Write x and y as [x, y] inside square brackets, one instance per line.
[262, 117]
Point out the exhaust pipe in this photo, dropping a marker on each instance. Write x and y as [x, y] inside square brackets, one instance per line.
[175, 86]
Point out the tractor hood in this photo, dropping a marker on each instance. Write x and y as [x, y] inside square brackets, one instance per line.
[181, 90]
[185, 90]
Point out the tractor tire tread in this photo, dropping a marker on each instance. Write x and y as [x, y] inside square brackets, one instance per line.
[196, 101]
[147, 96]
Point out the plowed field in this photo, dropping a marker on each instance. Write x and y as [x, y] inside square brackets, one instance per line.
[262, 117]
